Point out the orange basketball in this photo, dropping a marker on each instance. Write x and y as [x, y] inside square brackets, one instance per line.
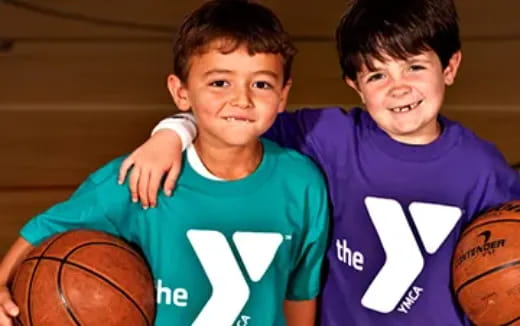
[486, 267]
[86, 278]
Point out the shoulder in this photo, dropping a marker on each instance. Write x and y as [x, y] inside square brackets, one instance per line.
[293, 165]
[107, 172]
[104, 181]
[327, 114]
[325, 127]
[102, 187]
[481, 152]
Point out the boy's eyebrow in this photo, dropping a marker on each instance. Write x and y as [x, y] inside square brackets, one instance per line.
[259, 72]
[217, 71]
[268, 72]
[368, 71]
[377, 67]
[415, 60]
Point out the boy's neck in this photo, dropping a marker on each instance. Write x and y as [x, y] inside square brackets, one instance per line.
[229, 162]
[425, 138]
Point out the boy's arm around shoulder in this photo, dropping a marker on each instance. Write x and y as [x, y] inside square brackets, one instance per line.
[161, 154]
[307, 130]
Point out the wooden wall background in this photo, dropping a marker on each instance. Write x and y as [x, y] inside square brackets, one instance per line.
[76, 93]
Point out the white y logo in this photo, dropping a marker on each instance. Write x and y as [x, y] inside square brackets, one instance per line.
[230, 291]
[404, 261]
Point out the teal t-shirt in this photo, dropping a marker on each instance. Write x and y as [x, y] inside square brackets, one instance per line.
[221, 253]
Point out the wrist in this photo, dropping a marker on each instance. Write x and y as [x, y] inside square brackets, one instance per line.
[168, 135]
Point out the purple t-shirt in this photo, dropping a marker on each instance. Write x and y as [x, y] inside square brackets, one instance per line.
[397, 211]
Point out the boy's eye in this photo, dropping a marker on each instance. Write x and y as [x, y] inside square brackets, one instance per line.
[416, 67]
[219, 83]
[262, 85]
[374, 77]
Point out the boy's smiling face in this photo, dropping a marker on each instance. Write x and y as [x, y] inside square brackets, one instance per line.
[404, 96]
[235, 96]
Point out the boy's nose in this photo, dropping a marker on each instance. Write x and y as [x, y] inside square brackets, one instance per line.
[400, 90]
[241, 98]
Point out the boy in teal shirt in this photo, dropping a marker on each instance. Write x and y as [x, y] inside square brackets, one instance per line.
[242, 240]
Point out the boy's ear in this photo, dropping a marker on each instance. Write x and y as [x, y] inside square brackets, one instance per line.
[355, 86]
[284, 96]
[179, 93]
[450, 72]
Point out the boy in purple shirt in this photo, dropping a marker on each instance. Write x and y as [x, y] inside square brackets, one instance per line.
[403, 180]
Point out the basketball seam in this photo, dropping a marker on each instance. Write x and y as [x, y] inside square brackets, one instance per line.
[63, 299]
[29, 312]
[490, 271]
[486, 223]
[511, 321]
[92, 243]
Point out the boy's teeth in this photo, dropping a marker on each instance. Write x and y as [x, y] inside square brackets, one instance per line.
[235, 119]
[402, 108]
[406, 108]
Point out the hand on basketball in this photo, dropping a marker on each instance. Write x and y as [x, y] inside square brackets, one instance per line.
[160, 154]
[8, 308]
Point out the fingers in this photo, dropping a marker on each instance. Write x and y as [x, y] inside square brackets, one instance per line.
[133, 183]
[8, 311]
[11, 308]
[145, 167]
[153, 187]
[171, 179]
[142, 187]
[125, 166]
[5, 320]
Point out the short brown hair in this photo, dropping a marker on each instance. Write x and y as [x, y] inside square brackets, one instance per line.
[370, 29]
[237, 22]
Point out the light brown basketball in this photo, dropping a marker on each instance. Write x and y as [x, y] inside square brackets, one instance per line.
[86, 278]
[486, 267]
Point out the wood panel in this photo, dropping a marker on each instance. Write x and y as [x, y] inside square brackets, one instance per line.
[19, 206]
[135, 73]
[303, 18]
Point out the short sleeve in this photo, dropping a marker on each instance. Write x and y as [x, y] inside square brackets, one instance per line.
[99, 204]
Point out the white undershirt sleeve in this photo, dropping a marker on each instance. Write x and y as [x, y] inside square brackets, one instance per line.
[184, 124]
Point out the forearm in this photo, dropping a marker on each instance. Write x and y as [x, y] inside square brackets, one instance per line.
[300, 313]
[13, 258]
[292, 130]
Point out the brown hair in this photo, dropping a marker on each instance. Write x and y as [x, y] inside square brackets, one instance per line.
[237, 23]
[370, 29]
